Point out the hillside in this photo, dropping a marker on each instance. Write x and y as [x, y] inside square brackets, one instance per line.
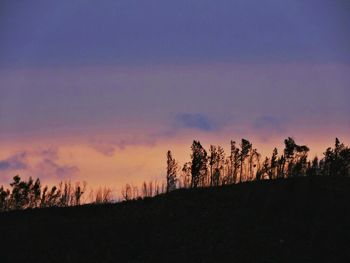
[294, 220]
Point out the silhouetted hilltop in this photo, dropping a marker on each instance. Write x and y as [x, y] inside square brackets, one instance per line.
[304, 219]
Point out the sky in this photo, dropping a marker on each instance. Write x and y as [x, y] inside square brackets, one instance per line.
[100, 90]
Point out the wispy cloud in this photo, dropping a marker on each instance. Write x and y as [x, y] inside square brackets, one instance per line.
[17, 161]
[108, 147]
[197, 121]
[50, 153]
[268, 125]
[50, 168]
[104, 147]
[43, 163]
[178, 123]
[269, 122]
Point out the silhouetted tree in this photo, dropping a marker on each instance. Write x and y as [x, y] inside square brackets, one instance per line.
[234, 161]
[144, 190]
[53, 197]
[313, 167]
[66, 193]
[245, 149]
[295, 158]
[150, 189]
[78, 193]
[35, 193]
[135, 192]
[220, 164]
[171, 175]
[4, 196]
[280, 166]
[264, 169]
[186, 175]
[337, 160]
[198, 165]
[288, 156]
[216, 177]
[273, 165]
[103, 196]
[212, 162]
[254, 163]
[216, 164]
[227, 172]
[127, 192]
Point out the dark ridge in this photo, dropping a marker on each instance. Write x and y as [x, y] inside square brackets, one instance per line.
[303, 219]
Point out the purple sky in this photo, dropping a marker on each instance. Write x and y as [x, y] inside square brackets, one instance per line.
[143, 71]
[144, 33]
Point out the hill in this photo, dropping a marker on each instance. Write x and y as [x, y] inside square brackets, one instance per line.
[294, 220]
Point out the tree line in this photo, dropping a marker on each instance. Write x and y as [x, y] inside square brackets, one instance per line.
[244, 163]
[206, 169]
[31, 194]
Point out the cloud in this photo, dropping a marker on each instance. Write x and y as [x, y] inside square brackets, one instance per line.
[268, 125]
[50, 153]
[49, 168]
[108, 147]
[17, 161]
[195, 121]
[269, 122]
[41, 162]
[179, 122]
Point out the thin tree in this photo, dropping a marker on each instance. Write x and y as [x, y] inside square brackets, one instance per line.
[273, 164]
[212, 162]
[198, 165]
[171, 175]
[234, 161]
[186, 175]
[245, 149]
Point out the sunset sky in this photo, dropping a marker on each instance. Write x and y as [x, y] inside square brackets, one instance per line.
[100, 90]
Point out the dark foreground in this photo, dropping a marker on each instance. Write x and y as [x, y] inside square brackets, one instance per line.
[294, 220]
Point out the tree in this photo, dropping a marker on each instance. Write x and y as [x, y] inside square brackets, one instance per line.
[336, 161]
[212, 162]
[127, 192]
[295, 158]
[288, 155]
[144, 190]
[35, 192]
[313, 168]
[300, 166]
[245, 149]
[103, 196]
[4, 196]
[280, 166]
[274, 164]
[220, 164]
[254, 163]
[78, 193]
[186, 175]
[261, 173]
[216, 164]
[16, 194]
[51, 198]
[235, 161]
[198, 165]
[216, 177]
[171, 175]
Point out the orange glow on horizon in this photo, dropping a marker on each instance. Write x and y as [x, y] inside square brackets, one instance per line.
[133, 163]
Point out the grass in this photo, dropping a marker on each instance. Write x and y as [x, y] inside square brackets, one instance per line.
[293, 220]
